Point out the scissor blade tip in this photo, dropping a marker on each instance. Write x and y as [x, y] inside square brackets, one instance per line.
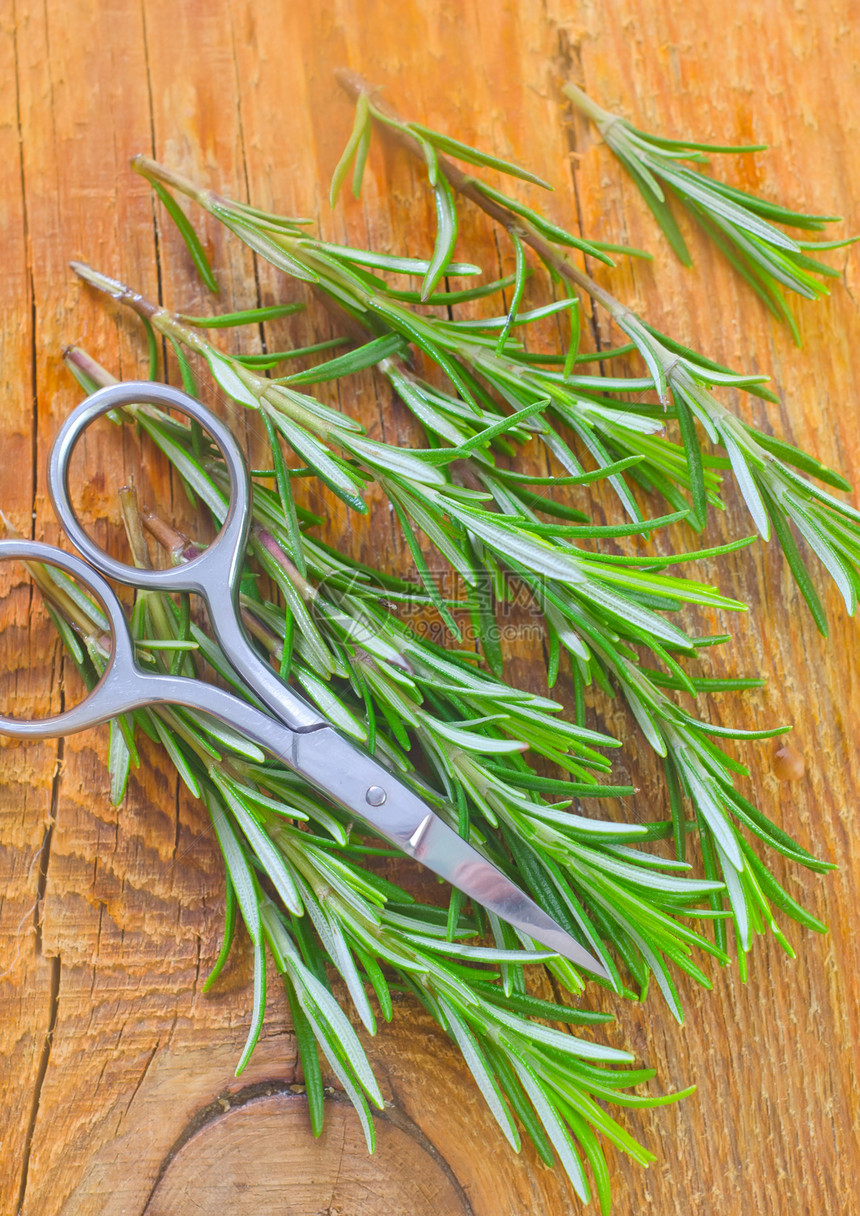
[598, 969]
[580, 957]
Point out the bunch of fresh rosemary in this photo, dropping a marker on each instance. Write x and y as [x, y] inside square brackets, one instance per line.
[597, 606]
[302, 877]
[396, 692]
[765, 467]
[294, 867]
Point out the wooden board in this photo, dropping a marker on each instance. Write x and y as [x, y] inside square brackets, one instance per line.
[117, 1074]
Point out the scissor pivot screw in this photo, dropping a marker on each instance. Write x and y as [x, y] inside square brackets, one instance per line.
[375, 796]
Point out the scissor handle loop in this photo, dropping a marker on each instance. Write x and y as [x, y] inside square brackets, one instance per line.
[219, 565]
[121, 687]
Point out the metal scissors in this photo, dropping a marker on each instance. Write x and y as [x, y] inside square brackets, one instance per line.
[292, 731]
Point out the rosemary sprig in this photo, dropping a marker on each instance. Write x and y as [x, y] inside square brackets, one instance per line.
[460, 349]
[470, 728]
[599, 644]
[765, 467]
[432, 143]
[420, 486]
[691, 759]
[740, 224]
[306, 893]
[298, 874]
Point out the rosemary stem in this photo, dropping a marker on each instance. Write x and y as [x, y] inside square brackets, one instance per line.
[177, 544]
[153, 171]
[155, 600]
[67, 607]
[163, 320]
[270, 544]
[134, 527]
[115, 289]
[273, 644]
[77, 357]
[600, 117]
[356, 85]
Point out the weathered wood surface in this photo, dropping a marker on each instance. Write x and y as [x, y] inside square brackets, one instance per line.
[117, 1075]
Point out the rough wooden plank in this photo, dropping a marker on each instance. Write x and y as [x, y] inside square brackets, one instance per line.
[27, 664]
[242, 94]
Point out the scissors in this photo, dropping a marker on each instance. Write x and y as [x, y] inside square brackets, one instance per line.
[293, 731]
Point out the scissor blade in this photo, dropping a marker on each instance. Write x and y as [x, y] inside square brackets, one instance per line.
[361, 784]
[439, 847]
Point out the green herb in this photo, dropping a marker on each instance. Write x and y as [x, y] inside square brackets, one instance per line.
[591, 633]
[765, 467]
[471, 729]
[739, 223]
[583, 617]
[299, 875]
[370, 107]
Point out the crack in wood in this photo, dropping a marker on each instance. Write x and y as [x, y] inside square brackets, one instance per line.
[570, 63]
[330, 1209]
[47, 839]
[44, 1060]
[31, 287]
[153, 153]
[194, 988]
[177, 822]
[395, 1115]
[247, 416]
[155, 229]
[142, 1078]
[45, 848]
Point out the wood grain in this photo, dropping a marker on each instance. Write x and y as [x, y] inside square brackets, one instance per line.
[116, 1073]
